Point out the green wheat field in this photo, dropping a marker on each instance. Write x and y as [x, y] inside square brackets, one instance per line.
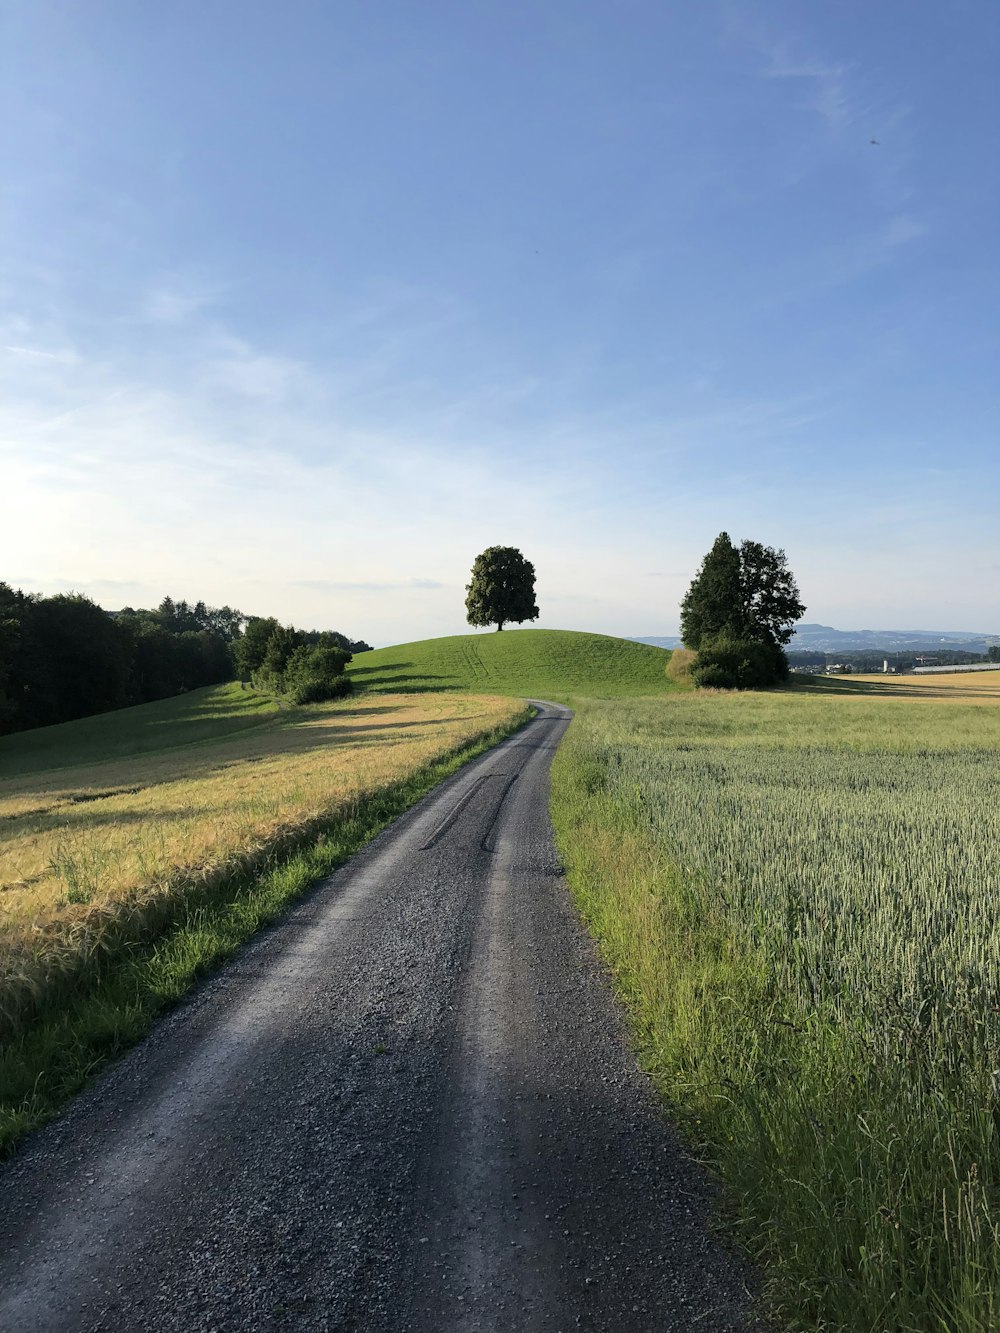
[799, 893]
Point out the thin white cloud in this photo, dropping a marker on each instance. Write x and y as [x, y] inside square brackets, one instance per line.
[853, 105]
[900, 231]
[254, 374]
[828, 86]
[809, 276]
[176, 300]
[63, 357]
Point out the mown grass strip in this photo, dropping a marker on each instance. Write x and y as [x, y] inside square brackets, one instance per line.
[50, 1060]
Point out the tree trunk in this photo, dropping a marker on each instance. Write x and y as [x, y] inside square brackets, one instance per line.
[499, 626]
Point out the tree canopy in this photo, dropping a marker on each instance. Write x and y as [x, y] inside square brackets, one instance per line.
[747, 592]
[714, 600]
[502, 588]
[771, 603]
[739, 612]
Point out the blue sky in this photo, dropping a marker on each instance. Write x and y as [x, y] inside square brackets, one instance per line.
[301, 306]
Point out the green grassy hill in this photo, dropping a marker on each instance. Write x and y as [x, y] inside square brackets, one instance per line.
[544, 663]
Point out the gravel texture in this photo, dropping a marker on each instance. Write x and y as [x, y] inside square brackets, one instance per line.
[409, 1106]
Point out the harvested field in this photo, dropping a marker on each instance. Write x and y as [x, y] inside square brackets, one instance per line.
[112, 844]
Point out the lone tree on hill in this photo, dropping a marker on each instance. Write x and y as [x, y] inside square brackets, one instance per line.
[502, 588]
[739, 612]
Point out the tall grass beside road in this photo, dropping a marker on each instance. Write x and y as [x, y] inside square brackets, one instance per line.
[799, 894]
[122, 879]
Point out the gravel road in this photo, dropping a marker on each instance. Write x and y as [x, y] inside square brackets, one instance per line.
[409, 1106]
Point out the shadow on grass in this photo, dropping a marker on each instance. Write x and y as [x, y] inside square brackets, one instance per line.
[80, 807]
[130, 732]
[423, 682]
[382, 666]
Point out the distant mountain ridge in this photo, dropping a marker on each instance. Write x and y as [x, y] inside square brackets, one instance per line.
[670, 641]
[826, 639]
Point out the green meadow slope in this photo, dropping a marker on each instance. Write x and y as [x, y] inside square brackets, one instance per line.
[208, 715]
[544, 663]
[516, 662]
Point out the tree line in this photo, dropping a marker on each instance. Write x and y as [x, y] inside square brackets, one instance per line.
[872, 659]
[64, 657]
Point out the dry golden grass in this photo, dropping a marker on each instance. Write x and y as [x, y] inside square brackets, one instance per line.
[965, 686]
[680, 665]
[975, 687]
[82, 847]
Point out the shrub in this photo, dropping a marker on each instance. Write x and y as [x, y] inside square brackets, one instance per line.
[317, 691]
[728, 662]
[712, 676]
[680, 664]
[313, 674]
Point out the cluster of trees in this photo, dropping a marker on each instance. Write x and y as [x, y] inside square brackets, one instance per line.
[738, 615]
[177, 647]
[306, 665]
[64, 657]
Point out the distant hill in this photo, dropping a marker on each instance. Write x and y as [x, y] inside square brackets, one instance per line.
[667, 641]
[534, 662]
[826, 639]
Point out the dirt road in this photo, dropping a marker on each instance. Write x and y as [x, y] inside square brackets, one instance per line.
[410, 1106]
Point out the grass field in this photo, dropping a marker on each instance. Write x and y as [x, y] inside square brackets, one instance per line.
[196, 719]
[116, 829]
[550, 664]
[799, 893]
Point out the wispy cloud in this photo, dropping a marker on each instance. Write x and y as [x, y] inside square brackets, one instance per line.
[176, 300]
[205, 462]
[835, 90]
[852, 104]
[829, 90]
[809, 276]
[242, 369]
[65, 357]
[291, 503]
